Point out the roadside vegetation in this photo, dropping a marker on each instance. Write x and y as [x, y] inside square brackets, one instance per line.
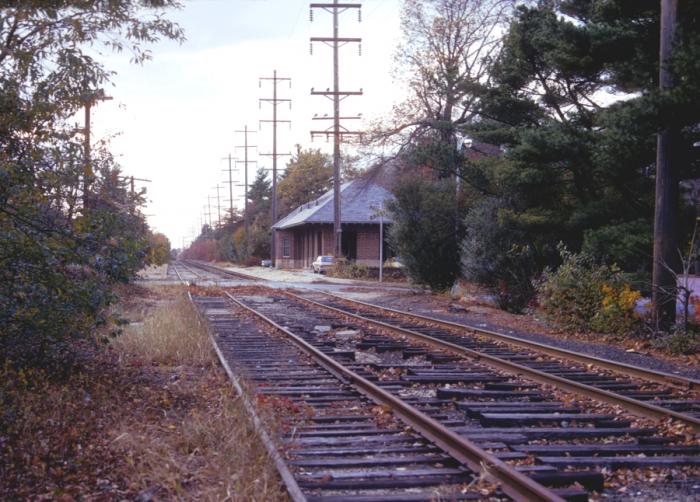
[547, 114]
[148, 417]
[151, 416]
[71, 228]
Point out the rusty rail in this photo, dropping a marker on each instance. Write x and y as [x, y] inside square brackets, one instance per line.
[513, 483]
[635, 406]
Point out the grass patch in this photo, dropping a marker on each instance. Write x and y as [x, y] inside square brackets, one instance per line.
[152, 416]
[172, 333]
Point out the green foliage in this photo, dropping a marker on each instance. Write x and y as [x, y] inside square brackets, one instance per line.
[680, 341]
[60, 257]
[158, 249]
[492, 254]
[308, 175]
[578, 168]
[582, 295]
[623, 243]
[424, 232]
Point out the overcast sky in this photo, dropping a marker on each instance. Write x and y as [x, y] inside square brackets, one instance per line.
[172, 120]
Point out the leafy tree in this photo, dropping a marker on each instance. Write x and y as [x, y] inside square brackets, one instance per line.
[158, 249]
[579, 161]
[424, 230]
[308, 175]
[444, 58]
[493, 253]
[58, 258]
[259, 195]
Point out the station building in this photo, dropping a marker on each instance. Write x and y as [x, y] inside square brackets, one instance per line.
[307, 232]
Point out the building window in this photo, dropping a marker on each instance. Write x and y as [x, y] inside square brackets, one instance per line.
[286, 252]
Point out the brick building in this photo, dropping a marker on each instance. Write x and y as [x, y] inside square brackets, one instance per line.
[307, 232]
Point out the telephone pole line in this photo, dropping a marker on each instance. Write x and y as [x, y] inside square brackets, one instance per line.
[274, 101]
[211, 223]
[218, 205]
[230, 184]
[245, 147]
[336, 95]
[89, 99]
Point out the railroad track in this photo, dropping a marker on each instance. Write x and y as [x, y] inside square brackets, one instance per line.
[535, 428]
[556, 443]
[188, 271]
[348, 439]
[642, 391]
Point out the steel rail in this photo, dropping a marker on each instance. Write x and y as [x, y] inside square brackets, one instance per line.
[513, 483]
[213, 268]
[619, 367]
[290, 483]
[624, 368]
[177, 272]
[635, 406]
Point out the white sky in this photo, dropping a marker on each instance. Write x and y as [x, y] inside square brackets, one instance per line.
[174, 118]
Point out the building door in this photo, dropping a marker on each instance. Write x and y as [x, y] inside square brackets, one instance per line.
[348, 244]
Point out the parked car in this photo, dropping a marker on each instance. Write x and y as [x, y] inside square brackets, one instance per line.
[266, 263]
[322, 263]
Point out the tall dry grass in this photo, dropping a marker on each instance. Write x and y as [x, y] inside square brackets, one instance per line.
[205, 447]
[170, 333]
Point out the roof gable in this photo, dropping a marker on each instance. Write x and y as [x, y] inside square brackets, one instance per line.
[359, 200]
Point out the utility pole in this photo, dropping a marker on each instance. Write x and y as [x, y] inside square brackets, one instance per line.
[245, 147]
[211, 223]
[89, 98]
[230, 185]
[218, 205]
[274, 101]
[207, 217]
[665, 213]
[336, 95]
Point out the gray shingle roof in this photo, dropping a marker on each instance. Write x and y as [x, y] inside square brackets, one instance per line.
[358, 202]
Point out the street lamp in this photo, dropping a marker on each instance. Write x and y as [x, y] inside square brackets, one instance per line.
[379, 212]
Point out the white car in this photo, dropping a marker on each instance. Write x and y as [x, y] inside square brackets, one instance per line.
[322, 263]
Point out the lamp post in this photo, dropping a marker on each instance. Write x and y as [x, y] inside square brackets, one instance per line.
[379, 212]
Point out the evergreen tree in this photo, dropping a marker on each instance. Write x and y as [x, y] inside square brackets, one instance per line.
[579, 161]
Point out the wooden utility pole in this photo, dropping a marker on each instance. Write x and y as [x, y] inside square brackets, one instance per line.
[666, 208]
[230, 185]
[274, 101]
[218, 205]
[337, 131]
[245, 147]
[211, 222]
[89, 99]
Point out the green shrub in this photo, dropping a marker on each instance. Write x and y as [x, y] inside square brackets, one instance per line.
[425, 230]
[583, 296]
[496, 254]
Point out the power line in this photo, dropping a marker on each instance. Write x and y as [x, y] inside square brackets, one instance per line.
[218, 205]
[246, 147]
[274, 101]
[230, 184]
[337, 131]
